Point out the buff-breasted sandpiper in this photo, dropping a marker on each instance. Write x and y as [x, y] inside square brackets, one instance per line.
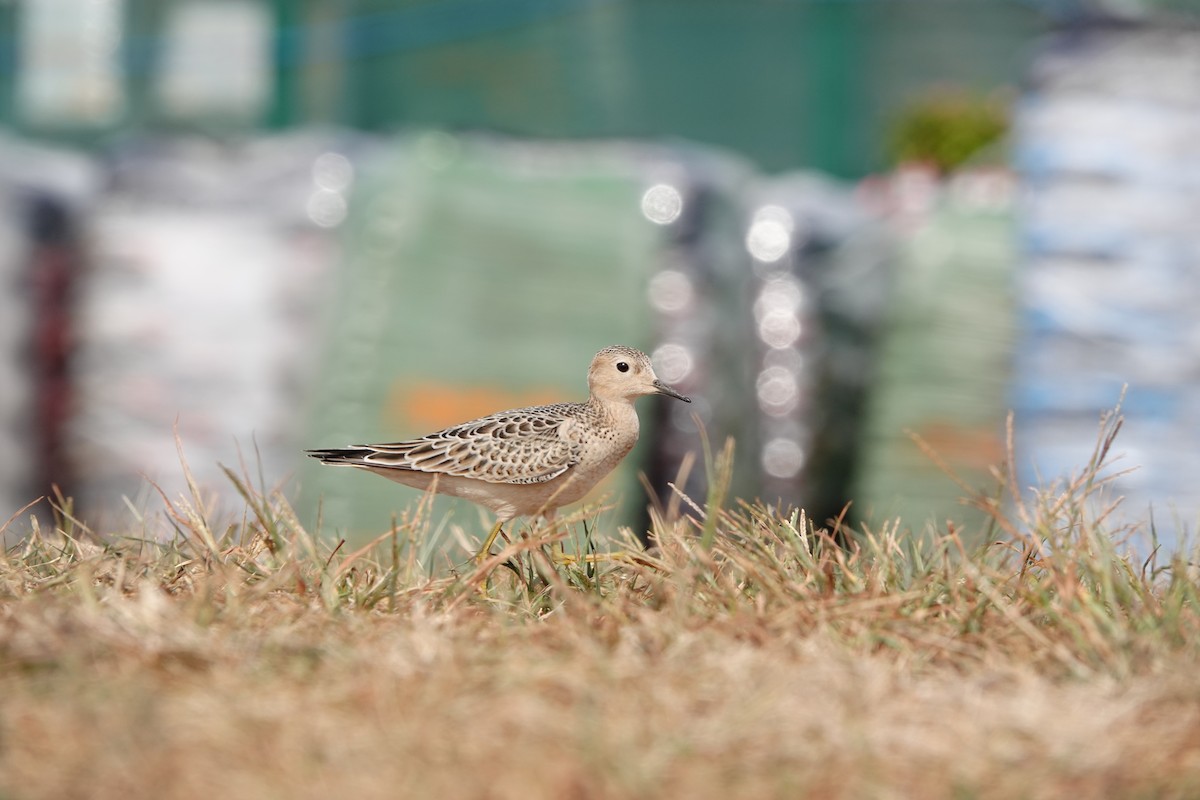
[528, 461]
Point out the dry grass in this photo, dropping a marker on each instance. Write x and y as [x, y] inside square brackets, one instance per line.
[748, 656]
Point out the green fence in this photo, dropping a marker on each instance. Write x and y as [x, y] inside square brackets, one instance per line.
[788, 83]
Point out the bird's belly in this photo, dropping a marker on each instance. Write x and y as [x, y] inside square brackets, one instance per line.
[592, 469]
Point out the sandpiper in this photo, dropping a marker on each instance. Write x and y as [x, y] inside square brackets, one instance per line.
[527, 461]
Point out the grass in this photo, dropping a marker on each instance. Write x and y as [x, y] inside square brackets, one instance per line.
[748, 655]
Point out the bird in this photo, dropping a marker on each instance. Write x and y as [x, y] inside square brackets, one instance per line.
[525, 462]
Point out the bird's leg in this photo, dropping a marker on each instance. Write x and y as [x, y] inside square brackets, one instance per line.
[487, 543]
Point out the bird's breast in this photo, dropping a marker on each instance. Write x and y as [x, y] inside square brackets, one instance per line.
[604, 443]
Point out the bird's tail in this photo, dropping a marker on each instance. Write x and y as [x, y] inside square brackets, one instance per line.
[343, 456]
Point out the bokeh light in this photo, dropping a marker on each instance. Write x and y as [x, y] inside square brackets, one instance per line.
[770, 234]
[673, 362]
[670, 291]
[662, 204]
[782, 458]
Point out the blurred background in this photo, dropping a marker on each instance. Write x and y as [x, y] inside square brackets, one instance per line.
[266, 225]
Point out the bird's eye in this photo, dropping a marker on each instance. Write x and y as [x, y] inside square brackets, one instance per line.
[622, 366]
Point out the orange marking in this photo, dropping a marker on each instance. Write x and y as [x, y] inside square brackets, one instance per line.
[422, 407]
[971, 447]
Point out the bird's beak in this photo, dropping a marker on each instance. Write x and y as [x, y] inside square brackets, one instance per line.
[662, 388]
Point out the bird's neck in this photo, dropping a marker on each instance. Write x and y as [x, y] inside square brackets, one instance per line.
[618, 413]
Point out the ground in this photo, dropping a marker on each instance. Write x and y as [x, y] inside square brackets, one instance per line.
[748, 655]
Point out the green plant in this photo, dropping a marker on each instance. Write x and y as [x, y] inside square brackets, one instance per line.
[947, 128]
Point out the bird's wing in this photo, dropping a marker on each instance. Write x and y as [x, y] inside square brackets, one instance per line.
[526, 445]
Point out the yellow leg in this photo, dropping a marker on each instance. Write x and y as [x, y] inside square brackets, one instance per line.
[487, 544]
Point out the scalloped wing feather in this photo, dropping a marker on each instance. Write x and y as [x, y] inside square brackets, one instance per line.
[522, 446]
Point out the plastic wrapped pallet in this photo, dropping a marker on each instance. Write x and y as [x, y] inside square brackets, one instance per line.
[819, 264]
[43, 194]
[945, 364]
[17, 436]
[700, 294]
[1109, 153]
[210, 262]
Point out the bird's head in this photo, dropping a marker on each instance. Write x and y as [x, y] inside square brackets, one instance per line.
[623, 373]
